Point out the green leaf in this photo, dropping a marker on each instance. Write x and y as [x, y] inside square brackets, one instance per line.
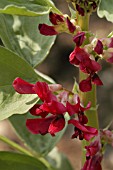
[105, 9]
[21, 35]
[73, 12]
[15, 161]
[12, 66]
[58, 160]
[38, 143]
[14, 103]
[27, 7]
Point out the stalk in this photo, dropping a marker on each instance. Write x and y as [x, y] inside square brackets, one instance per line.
[92, 114]
[15, 146]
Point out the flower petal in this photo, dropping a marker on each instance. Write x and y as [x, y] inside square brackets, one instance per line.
[73, 59]
[85, 85]
[79, 38]
[99, 47]
[37, 111]
[72, 109]
[96, 80]
[42, 89]
[23, 87]
[55, 18]
[39, 126]
[54, 107]
[70, 25]
[47, 30]
[56, 125]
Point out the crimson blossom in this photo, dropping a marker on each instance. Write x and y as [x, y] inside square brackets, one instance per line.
[82, 59]
[51, 111]
[81, 130]
[93, 156]
[60, 23]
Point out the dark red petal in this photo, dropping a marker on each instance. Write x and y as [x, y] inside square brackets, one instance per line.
[54, 107]
[93, 164]
[79, 38]
[39, 126]
[85, 85]
[88, 132]
[99, 47]
[70, 25]
[72, 109]
[42, 89]
[83, 119]
[73, 59]
[23, 87]
[55, 18]
[36, 111]
[92, 133]
[93, 148]
[47, 30]
[80, 10]
[82, 55]
[95, 66]
[96, 80]
[78, 125]
[56, 125]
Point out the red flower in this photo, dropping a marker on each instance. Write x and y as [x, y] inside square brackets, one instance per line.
[81, 58]
[93, 156]
[60, 24]
[92, 149]
[47, 30]
[86, 85]
[51, 124]
[56, 18]
[42, 90]
[70, 25]
[93, 164]
[79, 110]
[79, 38]
[83, 131]
[23, 87]
[80, 10]
[99, 47]
[55, 123]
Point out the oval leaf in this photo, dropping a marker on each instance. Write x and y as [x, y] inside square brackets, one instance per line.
[15, 161]
[27, 7]
[21, 35]
[12, 66]
[105, 9]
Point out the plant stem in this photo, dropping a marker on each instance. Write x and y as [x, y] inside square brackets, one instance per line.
[15, 146]
[92, 115]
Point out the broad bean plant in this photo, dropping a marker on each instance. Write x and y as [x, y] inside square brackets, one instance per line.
[37, 107]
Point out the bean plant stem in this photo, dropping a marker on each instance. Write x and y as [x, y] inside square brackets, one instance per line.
[92, 114]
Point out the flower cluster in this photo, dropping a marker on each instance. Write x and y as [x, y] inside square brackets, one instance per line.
[81, 130]
[87, 64]
[106, 136]
[50, 112]
[85, 6]
[60, 23]
[93, 156]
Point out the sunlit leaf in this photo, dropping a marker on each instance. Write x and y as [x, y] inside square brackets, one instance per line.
[21, 35]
